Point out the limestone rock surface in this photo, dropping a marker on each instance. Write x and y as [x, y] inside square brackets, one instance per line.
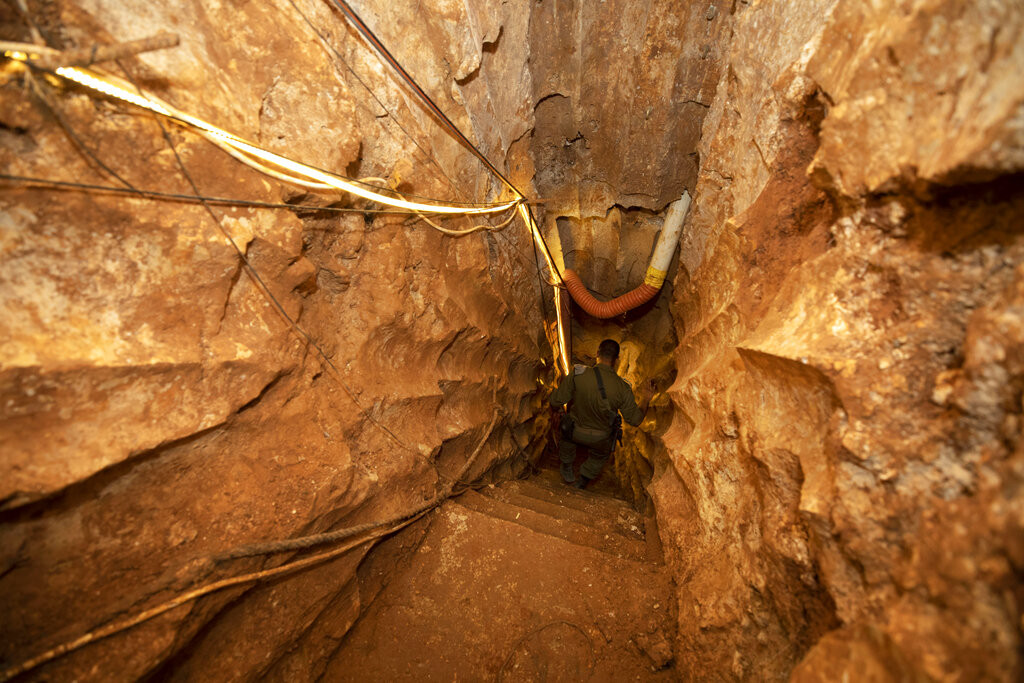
[843, 478]
[158, 406]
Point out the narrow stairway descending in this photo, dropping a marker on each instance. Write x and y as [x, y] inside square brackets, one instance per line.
[526, 580]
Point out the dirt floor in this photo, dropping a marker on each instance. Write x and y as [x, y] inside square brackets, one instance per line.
[525, 581]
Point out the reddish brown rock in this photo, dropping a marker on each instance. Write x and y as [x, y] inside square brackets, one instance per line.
[835, 457]
[836, 281]
[158, 408]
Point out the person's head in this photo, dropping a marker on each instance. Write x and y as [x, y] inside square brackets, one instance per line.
[608, 351]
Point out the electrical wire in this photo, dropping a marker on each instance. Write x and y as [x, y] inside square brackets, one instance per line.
[430, 159]
[114, 87]
[468, 231]
[266, 170]
[560, 333]
[239, 149]
[531, 224]
[540, 281]
[457, 233]
[258, 279]
[109, 85]
[446, 123]
[159, 107]
[194, 198]
[302, 173]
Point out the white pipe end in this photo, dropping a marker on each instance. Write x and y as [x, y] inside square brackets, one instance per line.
[668, 240]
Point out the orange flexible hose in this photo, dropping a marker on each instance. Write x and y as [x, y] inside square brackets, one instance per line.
[606, 309]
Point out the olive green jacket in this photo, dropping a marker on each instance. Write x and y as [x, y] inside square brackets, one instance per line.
[589, 410]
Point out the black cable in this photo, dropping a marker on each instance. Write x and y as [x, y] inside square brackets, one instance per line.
[540, 279]
[263, 285]
[513, 249]
[361, 26]
[194, 198]
[375, 42]
[430, 159]
[544, 244]
[70, 131]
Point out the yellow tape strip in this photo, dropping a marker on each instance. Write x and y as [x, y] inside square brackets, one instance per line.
[654, 277]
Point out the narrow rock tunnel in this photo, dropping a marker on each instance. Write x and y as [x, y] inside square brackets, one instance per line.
[291, 433]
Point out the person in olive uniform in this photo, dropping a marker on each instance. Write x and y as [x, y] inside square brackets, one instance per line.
[592, 414]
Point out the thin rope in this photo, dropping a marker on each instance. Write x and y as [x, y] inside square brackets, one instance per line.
[540, 279]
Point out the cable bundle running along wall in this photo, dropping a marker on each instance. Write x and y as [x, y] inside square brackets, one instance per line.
[292, 171]
[289, 170]
[247, 152]
[562, 340]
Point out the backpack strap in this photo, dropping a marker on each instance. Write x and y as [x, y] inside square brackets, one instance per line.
[614, 419]
[600, 383]
[612, 413]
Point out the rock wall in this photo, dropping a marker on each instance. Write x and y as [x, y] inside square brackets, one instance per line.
[842, 491]
[159, 409]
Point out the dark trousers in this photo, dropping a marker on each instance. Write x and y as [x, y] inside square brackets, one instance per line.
[591, 467]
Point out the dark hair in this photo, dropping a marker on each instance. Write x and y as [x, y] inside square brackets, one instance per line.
[608, 349]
